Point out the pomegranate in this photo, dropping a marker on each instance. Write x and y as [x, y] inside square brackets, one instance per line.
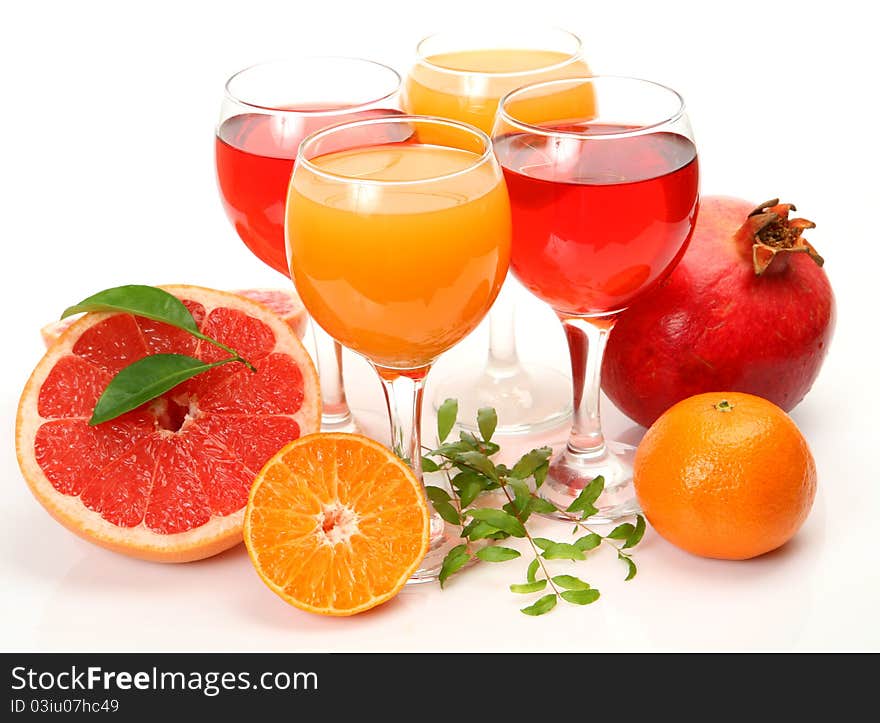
[748, 309]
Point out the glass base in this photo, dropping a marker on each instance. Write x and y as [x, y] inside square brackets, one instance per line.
[570, 473]
[528, 399]
[443, 538]
[339, 422]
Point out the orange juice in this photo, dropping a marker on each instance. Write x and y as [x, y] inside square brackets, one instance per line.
[467, 85]
[398, 250]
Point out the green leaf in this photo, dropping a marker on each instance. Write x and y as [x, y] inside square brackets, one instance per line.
[533, 569]
[469, 440]
[455, 559]
[588, 495]
[490, 448]
[631, 568]
[446, 416]
[429, 465]
[480, 462]
[580, 597]
[447, 512]
[150, 302]
[541, 506]
[533, 586]
[499, 519]
[144, 380]
[570, 582]
[497, 554]
[479, 530]
[530, 462]
[621, 532]
[521, 494]
[636, 537]
[541, 474]
[588, 542]
[543, 542]
[487, 420]
[436, 494]
[543, 605]
[563, 551]
[468, 485]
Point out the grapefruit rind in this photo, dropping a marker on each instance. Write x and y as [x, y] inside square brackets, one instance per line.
[220, 532]
[271, 470]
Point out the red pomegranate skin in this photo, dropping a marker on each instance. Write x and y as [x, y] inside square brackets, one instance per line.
[715, 324]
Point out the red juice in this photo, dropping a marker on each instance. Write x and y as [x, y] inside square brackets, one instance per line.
[255, 154]
[598, 221]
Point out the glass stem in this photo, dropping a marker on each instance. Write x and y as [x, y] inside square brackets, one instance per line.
[328, 359]
[403, 395]
[586, 343]
[503, 358]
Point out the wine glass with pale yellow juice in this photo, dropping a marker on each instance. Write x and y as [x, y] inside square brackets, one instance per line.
[462, 75]
[398, 233]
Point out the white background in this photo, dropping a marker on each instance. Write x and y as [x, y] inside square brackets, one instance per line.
[106, 177]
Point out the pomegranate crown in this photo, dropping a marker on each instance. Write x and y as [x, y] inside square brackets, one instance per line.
[770, 232]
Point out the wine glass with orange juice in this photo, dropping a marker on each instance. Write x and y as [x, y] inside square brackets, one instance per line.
[398, 250]
[462, 75]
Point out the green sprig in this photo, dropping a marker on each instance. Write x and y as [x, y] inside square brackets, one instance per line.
[470, 471]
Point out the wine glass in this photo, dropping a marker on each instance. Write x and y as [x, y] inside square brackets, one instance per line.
[399, 239]
[462, 75]
[603, 180]
[266, 112]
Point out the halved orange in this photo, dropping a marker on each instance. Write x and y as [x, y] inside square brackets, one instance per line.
[336, 524]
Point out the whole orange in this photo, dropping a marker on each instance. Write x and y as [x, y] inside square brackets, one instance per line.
[725, 475]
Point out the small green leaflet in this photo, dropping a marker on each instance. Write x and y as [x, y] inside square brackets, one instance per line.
[446, 416]
[487, 420]
[144, 380]
[532, 571]
[588, 542]
[500, 519]
[570, 582]
[563, 551]
[543, 542]
[524, 588]
[455, 559]
[530, 462]
[584, 501]
[429, 465]
[436, 494]
[631, 568]
[638, 532]
[543, 605]
[541, 506]
[580, 597]
[468, 485]
[497, 554]
[621, 532]
[480, 462]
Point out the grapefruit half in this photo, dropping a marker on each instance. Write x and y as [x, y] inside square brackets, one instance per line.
[169, 480]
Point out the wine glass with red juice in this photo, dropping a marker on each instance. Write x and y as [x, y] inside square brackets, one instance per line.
[266, 112]
[604, 188]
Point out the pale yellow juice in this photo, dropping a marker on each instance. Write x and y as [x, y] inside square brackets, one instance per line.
[467, 85]
[398, 271]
